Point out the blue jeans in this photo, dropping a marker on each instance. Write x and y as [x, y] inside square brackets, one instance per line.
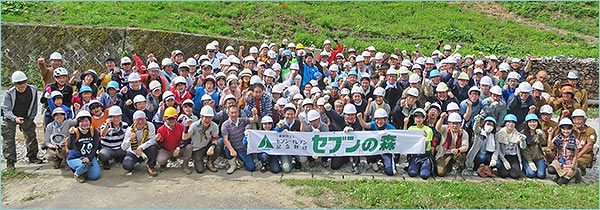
[272, 160]
[389, 166]
[93, 171]
[482, 158]
[286, 163]
[419, 165]
[541, 169]
[242, 155]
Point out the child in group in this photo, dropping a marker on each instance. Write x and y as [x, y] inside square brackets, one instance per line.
[567, 147]
[112, 96]
[186, 114]
[56, 101]
[56, 134]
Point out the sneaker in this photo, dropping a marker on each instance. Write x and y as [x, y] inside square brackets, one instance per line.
[35, 160]
[374, 166]
[129, 173]
[80, 179]
[151, 171]
[210, 166]
[355, 169]
[106, 166]
[186, 167]
[263, 168]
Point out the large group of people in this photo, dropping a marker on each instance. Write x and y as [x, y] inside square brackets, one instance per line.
[477, 113]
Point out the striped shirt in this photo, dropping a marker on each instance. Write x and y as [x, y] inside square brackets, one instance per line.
[235, 132]
[115, 135]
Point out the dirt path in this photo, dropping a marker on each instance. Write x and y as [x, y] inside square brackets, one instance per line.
[171, 189]
[499, 11]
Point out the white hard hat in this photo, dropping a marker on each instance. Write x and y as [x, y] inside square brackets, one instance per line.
[266, 119]
[58, 110]
[515, 60]
[391, 71]
[278, 88]
[270, 73]
[235, 60]
[538, 86]
[403, 70]
[525, 87]
[478, 70]
[572, 75]
[321, 102]
[264, 45]
[313, 82]
[454, 117]
[463, 76]
[166, 62]
[55, 56]
[139, 114]
[184, 65]
[55, 94]
[276, 67]
[83, 113]
[191, 62]
[413, 92]
[18, 76]
[451, 60]
[416, 66]
[371, 48]
[420, 61]
[579, 113]
[478, 62]
[360, 58]
[504, 67]
[565, 121]
[314, 90]
[406, 63]
[378, 56]
[291, 45]
[493, 57]
[253, 49]
[313, 115]
[139, 98]
[486, 80]
[420, 111]
[215, 43]
[154, 65]
[293, 89]
[414, 78]
[282, 101]
[204, 58]
[513, 75]
[188, 101]
[349, 109]
[429, 61]
[230, 96]
[344, 91]
[289, 106]
[295, 66]
[298, 96]
[114, 111]
[379, 91]
[442, 87]
[229, 48]
[474, 88]
[380, 113]
[154, 85]
[178, 52]
[60, 71]
[447, 47]
[210, 46]
[207, 111]
[496, 90]
[452, 106]
[255, 80]
[245, 72]
[125, 60]
[435, 52]
[325, 53]
[307, 101]
[168, 94]
[334, 67]
[134, 77]
[205, 97]
[357, 89]
[179, 79]
[546, 109]
[220, 75]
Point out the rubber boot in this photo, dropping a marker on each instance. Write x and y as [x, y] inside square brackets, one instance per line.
[232, 166]
[186, 167]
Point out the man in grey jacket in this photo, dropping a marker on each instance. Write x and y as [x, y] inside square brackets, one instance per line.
[19, 108]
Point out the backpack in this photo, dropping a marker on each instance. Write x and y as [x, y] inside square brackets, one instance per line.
[77, 137]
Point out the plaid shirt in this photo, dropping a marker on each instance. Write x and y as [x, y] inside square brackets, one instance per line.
[563, 152]
[265, 109]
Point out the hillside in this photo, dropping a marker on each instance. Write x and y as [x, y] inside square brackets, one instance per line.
[386, 25]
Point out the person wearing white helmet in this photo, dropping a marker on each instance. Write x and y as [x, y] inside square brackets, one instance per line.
[55, 136]
[112, 134]
[218, 53]
[313, 123]
[442, 96]
[469, 108]
[379, 122]
[140, 143]
[268, 162]
[502, 77]
[232, 88]
[515, 66]
[208, 88]
[564, 165]
[168, 69]
[510, 87]
[47, 71]
[415, 82]
[453, 145]
[82, 144]
[187, 108]
[365, 85]
[168, 100]
[587, 136]
[221, 80]
[358, 99]
[184, 71]
[393, 89]
[347, 123]
[401, 112]
[494, 106]
[522, 104]
[154, 74]
[377, 103]
[485, 86]
[180, 90]
[177, 58]
[204, 136]
[328, 48]
[421, 164]
[134, 88]
[460, 86]
[55, 100]
[60, 76]
[290, 123]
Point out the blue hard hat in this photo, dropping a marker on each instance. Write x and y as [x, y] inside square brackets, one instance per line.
[353, 73]
[490, 118]
[531, 117]
[85, 89]
[112, 84]
[335, 84]
[341, 76]
[287, 52]
[510, 117]
[434, 73]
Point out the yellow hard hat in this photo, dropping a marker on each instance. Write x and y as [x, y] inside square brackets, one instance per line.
[299, 46]
[170, 112]
[105, 80]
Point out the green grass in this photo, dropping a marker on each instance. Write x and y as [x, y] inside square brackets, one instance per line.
[33, 197]
[17, 174]
[592, 112]
[386, 25]
[384, 194]
[579, 16]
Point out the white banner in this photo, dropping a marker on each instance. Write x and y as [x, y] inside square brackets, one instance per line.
[358, 143]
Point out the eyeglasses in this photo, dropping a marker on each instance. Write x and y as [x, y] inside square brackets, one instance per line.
[126, 64]
[20, 83]
[210, 50]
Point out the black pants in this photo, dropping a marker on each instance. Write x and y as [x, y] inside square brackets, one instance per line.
[515, 167]
[560, 180]
[338, 162]
[130, 159]
[198, 157]
[105, 154]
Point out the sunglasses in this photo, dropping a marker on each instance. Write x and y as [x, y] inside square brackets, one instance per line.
[126, 64]
[210, 50]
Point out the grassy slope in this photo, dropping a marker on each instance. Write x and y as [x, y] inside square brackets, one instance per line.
[386, 25]
[579, 16]
[383, 194]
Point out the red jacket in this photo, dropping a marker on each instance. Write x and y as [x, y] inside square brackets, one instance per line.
[163, 81]
[170, 138]
[333, 54]
[178, 98]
